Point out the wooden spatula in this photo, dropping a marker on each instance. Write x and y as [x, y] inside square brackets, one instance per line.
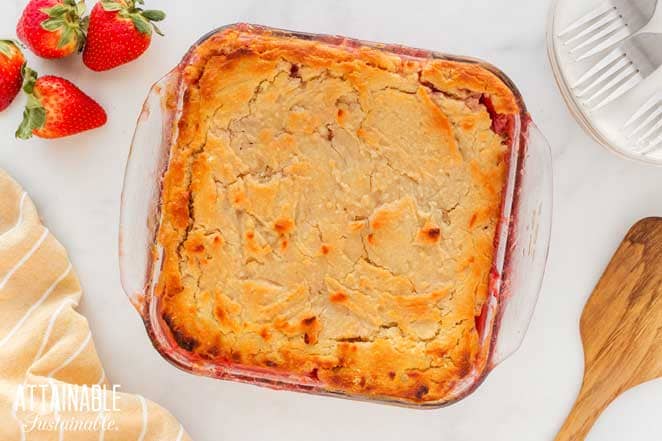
[621, 328]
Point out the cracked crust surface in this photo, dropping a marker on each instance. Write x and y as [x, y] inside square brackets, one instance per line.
[330, 212]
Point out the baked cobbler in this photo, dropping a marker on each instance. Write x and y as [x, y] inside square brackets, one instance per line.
[330, 211]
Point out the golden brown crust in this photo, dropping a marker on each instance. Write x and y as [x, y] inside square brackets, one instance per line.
[329, 212]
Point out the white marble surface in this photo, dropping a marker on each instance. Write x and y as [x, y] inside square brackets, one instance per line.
[76, 183]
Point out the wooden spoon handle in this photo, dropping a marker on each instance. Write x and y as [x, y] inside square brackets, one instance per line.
[587, 408]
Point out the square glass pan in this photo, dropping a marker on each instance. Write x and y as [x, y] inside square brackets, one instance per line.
[521, 244]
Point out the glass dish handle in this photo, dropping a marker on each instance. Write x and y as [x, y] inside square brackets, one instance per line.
[528, 247]
[140, 194]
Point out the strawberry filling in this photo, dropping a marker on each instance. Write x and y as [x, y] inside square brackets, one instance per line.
[502, 125]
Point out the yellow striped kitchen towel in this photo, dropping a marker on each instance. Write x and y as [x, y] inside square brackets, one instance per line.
[52, 384]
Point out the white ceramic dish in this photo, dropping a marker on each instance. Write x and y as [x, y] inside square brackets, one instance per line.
[608, 125]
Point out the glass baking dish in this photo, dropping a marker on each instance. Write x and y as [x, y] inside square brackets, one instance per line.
[521, 244]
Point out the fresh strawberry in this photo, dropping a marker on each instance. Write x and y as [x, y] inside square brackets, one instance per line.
[119, 32]
[57, 108]
[11, 72]
[53, 28]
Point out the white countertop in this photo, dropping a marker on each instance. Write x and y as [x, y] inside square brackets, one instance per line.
[76, 184]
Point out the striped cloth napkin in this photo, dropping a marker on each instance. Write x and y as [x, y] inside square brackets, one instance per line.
[52, 384]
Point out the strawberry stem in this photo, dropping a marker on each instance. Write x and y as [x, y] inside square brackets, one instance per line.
[142, 19]
[29, 79]
[6, 47]
[66, 17]
[34, 115]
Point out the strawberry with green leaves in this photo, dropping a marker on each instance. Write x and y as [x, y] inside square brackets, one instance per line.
[53, 28]
[119, 32]
[11, 72]
[57, 108]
